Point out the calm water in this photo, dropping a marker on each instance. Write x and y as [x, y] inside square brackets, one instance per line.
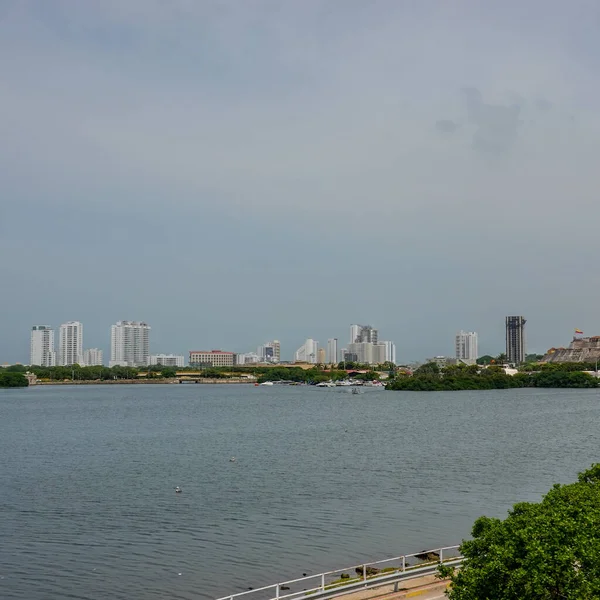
[322, 479]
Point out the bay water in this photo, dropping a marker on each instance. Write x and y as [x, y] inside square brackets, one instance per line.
[322, 479]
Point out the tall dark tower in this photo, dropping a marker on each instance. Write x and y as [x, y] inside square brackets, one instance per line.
[515, 339]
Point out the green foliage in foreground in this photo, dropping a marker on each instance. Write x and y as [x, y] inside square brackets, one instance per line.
[10, 379]
[544, 550]
[472, 378]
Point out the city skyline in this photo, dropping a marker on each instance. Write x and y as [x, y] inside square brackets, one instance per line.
[94, 355]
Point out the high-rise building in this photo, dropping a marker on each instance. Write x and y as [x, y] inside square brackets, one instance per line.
[321, 356]
[363, 351]
[390, 351]
[41, 348]
[354, 333]
[70, 344]
[129, 344]
[93, 357]
[363, 333]
[515, 339]
[466, 347]
[167, 360]
[270, 352]
[307, 352]
[332, 351]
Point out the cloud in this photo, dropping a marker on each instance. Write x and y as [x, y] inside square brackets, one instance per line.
[496, 125]
[446, 126]
[153, 130]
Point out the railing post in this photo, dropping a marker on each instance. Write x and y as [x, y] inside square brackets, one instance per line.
[404, 563]
[323, 582]
[441, 555]
[277, 591]
[364, 572]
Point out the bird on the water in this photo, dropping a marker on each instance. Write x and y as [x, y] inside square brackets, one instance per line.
[178, 490]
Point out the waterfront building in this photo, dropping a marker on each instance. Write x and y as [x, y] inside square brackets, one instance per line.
[332, 351]
[211, 358]
[390, 351]
[363, 333]
[70, 343]
[321, 356]
[129, 344]
[348, 356]
[93, 357]
[307, 352]
[466, 347]
[270, 352]
[167, 360]
[249, 358]
[363, 352]
[515, 339]
[41, 346]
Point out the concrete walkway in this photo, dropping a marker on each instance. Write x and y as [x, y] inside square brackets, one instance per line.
[421, 588]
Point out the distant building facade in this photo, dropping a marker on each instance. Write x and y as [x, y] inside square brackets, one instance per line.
[248, 358]
[308, 352]
[270, 352]
[93, 357]
[41, 346]
[390, 351]
[129, 344]
[321, 356]
[332, 351]
[167, 360]
[363, 333]
[211, 358]
[466, 347]
[70, 344]
[515, 339]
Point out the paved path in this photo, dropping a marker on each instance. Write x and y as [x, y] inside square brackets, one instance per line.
[422, 588]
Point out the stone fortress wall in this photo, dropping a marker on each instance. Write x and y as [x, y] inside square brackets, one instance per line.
[585, 349]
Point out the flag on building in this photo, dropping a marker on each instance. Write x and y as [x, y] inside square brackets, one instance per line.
[578, 332]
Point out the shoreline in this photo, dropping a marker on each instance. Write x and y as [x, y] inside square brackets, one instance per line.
[146, 382]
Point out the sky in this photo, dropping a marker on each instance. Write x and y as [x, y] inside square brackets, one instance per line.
[232, 172]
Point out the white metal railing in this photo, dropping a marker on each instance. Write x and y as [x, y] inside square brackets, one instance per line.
[372, 574]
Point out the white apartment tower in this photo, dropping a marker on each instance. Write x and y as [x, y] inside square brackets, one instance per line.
[332, 351]
[129, 344]
[70, 344]
[363, 333]
[93, 357]
[466, 347]
[308, 352]
[390, 351]
[41, 348]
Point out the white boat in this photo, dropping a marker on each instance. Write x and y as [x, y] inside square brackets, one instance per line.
[267, 383]
[327, 384]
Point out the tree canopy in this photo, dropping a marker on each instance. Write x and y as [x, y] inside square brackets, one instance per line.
[472, 377]
[544, 550]
[12, 379]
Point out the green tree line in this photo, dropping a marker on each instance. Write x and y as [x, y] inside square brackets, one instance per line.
[429, 377]
[10, 379]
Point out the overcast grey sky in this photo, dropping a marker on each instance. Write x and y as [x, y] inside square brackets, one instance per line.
[237, 171]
